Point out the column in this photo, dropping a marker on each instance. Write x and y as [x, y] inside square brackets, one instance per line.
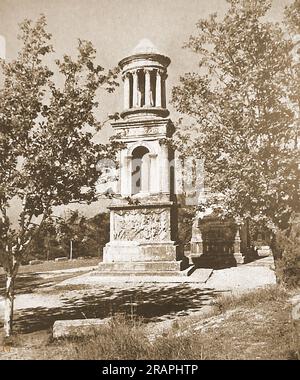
[126, 91]
[126, 176]
[165, 169]
[119, 182]
[123, 173]
[158, 89]
[163, 90]
[153, 174]
[135, 88]
[147, 88]
[129, 175]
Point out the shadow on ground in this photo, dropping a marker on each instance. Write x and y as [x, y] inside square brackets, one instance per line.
[29, 282]
[152, 303]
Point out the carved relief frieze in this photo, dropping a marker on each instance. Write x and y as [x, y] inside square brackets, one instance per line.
[141, 225]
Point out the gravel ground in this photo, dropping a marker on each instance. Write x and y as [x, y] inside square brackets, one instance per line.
[241, 278]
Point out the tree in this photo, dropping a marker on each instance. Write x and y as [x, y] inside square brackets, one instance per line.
[88, 235]
[240, 112]
[48, 155]
[44, 244]
[292, 17]
[292, 22]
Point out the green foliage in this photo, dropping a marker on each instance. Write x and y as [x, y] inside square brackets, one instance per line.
[88, 235]
[288, 265]
[241, 108]
[292, 14]
[48, 155]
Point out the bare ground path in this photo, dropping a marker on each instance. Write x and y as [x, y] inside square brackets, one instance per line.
[72, 293]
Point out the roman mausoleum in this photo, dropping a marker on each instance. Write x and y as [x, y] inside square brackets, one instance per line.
[143, 215]
[144, 212]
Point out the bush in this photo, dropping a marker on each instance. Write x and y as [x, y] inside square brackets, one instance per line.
[288, 265]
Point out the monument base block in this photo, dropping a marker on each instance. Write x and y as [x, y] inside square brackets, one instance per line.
[136, 258]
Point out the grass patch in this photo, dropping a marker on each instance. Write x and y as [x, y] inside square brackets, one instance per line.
[126, 339]
[122, 338]
[48, 266]
[251, 299]
[255, 325]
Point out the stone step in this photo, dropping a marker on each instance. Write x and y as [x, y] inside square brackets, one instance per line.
[140, 274]
[181, 270]
[152, 266]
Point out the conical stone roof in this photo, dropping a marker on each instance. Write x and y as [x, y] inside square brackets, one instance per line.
[145, 46]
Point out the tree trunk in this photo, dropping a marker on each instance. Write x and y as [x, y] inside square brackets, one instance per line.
[277, 254]
[9, 305]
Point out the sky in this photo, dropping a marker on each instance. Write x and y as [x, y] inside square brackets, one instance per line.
[115, 27]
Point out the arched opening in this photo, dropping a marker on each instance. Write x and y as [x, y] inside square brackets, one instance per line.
[140, 170]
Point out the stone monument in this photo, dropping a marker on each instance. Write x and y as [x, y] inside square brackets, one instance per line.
[143, 215]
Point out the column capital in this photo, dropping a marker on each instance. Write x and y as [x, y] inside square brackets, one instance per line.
[125, 75]
[159, 71]
[163, 75]
[163, 142]
[152, 155]
[148, 69]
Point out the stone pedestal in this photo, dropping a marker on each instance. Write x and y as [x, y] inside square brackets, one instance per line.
[142, 239]
[215, 243]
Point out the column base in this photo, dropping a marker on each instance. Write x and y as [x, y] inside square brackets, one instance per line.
[239, 258]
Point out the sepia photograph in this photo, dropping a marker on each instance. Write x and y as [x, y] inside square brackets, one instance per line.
[149, 183]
